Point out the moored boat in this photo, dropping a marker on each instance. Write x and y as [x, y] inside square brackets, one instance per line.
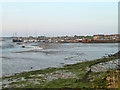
[17, 40]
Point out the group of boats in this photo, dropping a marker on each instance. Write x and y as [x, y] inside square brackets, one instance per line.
[22, 42]
[25, 41]
[17, 40]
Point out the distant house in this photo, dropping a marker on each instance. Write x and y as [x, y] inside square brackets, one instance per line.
[98, 36]
[114, 37]
[107, 37]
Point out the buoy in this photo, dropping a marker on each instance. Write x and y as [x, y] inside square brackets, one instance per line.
[72, 46]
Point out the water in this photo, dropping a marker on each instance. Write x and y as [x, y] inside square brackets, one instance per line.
[55, 56]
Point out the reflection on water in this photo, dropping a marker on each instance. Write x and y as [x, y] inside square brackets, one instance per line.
[16, 59]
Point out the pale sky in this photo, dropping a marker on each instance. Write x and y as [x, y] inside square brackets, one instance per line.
[59, 0]
[59, 18]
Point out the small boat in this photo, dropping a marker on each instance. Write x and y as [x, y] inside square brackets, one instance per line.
[17, 40]
[23, 46]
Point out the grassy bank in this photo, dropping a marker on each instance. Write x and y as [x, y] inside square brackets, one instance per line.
[77, 75]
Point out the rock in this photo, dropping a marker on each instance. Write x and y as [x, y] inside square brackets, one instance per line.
[22, 78]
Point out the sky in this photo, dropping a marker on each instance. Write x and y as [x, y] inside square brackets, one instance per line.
[59, 18]
[59, 0]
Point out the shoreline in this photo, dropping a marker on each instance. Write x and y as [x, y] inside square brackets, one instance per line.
[50, 52]
[69, 71]
[115, 56]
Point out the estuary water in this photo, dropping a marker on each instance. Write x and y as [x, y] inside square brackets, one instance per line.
[16, 59]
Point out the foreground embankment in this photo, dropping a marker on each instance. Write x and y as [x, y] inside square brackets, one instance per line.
[80, 75]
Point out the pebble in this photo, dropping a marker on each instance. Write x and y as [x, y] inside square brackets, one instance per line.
[105, 66]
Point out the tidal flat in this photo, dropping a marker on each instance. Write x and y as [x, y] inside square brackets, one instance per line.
[79, 75]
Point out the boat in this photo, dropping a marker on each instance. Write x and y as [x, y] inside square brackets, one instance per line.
[17, 40]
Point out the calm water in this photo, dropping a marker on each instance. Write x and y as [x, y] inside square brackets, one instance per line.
[61, 54]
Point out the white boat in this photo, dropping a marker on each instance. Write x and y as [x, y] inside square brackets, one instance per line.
[29, 46]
